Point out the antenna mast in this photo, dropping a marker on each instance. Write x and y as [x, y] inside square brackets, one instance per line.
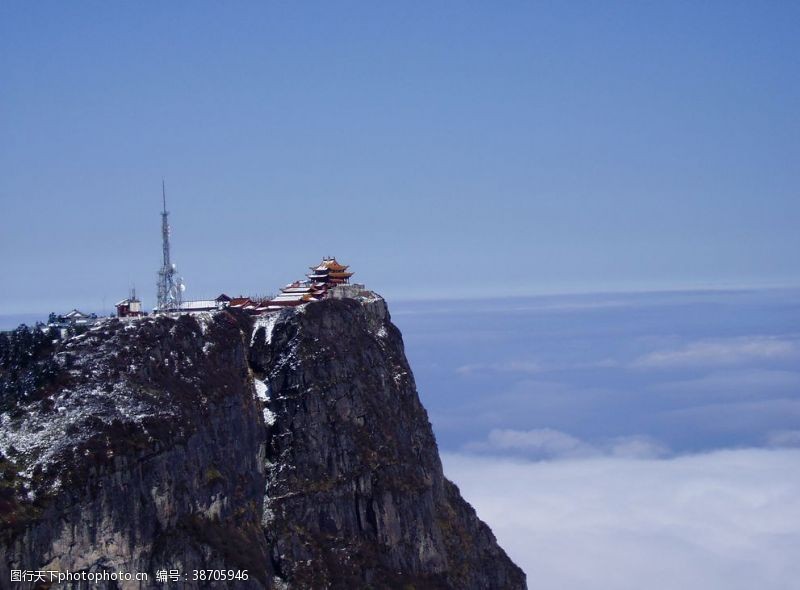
[170, 287]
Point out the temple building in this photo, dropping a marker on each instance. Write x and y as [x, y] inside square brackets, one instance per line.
[244, 303]
[77, 318]
[297, 293]
[323, 277]
[223, 301]
[329, 272]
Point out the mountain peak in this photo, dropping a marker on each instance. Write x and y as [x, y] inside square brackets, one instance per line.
[294, 447]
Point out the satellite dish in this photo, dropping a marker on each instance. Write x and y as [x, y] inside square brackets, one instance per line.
[182, 287]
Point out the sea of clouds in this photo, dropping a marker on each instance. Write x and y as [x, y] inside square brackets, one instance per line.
[623, 441]
[726, 519]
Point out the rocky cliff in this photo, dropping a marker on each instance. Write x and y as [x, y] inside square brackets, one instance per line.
[293, 447]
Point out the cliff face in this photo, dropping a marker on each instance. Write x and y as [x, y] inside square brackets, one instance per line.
[148, 456]
[295, 448]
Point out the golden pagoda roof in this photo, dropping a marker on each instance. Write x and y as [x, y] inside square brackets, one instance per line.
[329, 264]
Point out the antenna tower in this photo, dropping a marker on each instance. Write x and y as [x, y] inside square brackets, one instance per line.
[170, 286]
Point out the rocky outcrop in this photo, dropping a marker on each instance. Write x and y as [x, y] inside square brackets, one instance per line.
[296, 449]
[148, 457]
[361, 501]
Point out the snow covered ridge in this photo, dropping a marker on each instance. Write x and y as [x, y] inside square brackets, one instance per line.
[40, 441]
[121, 387]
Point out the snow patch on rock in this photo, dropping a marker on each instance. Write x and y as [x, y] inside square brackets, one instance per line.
[268, 323]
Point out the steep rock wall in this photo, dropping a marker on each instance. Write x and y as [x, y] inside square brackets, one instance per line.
[356, 496]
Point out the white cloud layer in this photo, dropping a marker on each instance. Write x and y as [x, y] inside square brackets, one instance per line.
[784, 438]
[547, 443]
[727, 519]
[511, 366]
[721, 352]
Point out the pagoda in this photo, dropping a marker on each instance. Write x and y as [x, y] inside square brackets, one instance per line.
[330, 273]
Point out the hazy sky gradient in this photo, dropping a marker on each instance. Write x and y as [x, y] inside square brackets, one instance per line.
[437, 147]
[654, 374]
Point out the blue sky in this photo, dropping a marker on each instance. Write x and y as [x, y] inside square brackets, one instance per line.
[450, 148]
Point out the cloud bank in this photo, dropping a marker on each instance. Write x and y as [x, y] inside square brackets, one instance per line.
[722, 352]
[727, 519]
[729, 380]
[547, 443]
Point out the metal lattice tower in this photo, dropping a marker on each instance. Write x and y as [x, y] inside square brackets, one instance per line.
[170, 286]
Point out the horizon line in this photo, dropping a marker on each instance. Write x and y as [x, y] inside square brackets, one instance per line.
[683, 289]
